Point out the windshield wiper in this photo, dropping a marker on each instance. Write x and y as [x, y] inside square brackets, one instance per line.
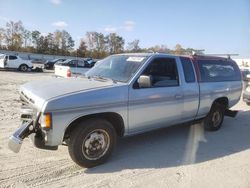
[101, 78]
[82, 76]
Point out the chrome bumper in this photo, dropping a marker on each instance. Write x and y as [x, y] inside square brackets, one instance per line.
[16, 139]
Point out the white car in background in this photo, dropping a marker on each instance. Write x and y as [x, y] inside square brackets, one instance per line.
[71, 67]
[14, 62]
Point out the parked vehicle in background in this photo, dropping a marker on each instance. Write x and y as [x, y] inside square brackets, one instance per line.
[71, 67]
[245, 74]
[38, 61]
[89, 62]
[15, 62]
[50, 63]
[88, 113]
[246, 89]
[246, 94]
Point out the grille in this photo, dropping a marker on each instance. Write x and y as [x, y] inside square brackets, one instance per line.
[27, 111]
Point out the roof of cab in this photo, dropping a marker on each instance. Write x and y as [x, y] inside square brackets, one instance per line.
[148, 54]
[196, 57]
[209, 57]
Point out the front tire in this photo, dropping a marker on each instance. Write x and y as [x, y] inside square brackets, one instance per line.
[23, 68]
[92, 142]
[215, 117]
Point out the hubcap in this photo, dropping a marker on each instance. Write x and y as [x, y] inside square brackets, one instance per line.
[23, 68]
[95, 144]
[216, 119]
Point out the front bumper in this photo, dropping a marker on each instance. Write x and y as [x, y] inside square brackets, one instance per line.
[16, 139]
[32, 129]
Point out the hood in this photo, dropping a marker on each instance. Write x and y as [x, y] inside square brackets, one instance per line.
[40, 91]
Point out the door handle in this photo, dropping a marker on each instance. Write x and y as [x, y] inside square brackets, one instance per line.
[177, 96]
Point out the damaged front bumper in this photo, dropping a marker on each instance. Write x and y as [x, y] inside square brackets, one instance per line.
[16, 140]
[29, 128]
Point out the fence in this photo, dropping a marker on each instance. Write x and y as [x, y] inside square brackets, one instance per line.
[27, 55]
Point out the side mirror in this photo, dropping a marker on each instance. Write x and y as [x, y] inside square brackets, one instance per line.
[145, 81]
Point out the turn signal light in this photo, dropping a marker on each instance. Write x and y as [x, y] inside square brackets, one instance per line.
[47, 121]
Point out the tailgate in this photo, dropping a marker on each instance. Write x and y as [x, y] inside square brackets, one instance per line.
[61, 70]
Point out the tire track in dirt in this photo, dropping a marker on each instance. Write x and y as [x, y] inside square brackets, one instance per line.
[36, 173]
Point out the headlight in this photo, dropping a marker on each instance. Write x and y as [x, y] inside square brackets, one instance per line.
[46, 121]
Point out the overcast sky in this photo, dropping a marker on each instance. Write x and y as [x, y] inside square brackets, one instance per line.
[218, 26]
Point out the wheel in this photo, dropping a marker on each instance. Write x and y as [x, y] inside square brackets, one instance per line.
[92, 142]
[248, 103]
[23, 68]
[215, 117]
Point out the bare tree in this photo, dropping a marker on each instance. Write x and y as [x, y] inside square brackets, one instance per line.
[95, 41]
[82, 49]
[160, 48]
[97, 45]
[26, 37]
[13, 35]
[2, 37]
[179, 50]
[134, 46]
[35, 35]
[115, 43]
[67, 43]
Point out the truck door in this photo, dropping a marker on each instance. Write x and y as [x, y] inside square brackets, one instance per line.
[190, 90]
[13, 62]
[161, 104]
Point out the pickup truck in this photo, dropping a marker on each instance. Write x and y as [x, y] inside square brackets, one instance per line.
[15, 62]
[124, 95]
[71, 67]
[51, 63]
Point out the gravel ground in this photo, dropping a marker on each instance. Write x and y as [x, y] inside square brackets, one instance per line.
[179, 156]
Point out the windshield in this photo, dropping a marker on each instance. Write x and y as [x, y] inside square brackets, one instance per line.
[55, 60]
[118, 68]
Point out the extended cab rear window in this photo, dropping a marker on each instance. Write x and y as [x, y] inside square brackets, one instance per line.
[188, 69]
[218, 71]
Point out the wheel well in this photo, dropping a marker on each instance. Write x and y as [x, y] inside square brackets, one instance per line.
[114, 118]
[222, 101]
[22, 64]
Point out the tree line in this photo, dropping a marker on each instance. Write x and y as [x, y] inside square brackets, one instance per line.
[14, 36]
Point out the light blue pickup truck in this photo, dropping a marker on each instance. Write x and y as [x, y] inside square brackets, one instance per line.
[123, 95]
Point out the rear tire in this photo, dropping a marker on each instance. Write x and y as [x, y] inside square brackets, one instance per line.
[215, 117]
[92, 142]
[23, 68]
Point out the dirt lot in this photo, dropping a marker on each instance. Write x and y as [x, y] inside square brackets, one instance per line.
[158, 159]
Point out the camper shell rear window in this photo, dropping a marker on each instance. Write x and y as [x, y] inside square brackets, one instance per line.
[218, 70]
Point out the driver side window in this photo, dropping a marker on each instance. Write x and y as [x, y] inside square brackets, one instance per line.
[12, 57]
[163, 72]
